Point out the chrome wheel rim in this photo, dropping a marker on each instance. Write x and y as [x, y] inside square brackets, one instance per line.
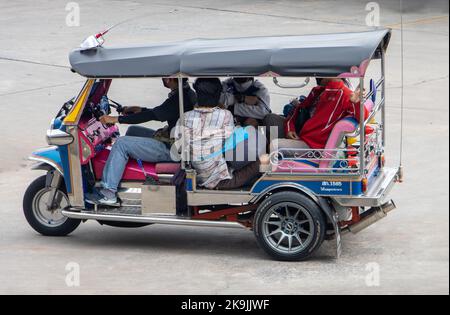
[50, 217]
[288, 228]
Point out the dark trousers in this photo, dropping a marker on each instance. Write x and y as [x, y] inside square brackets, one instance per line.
[277, 123]
[139, 131]
[241, 177]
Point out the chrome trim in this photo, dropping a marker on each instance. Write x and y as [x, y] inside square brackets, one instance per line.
[58, 137]
[167, 219]
[291, 86]
[383, 96]
[376, 194]
[362, 131]
[182, 122]
[201, 198]
[53, 182]
[307, 191]
[44, 161]
[76, 197]
[158, 199]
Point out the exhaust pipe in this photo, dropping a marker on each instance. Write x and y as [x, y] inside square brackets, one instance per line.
[372, 216]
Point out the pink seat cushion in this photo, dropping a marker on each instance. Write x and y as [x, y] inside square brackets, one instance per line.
[287, 166]
[343, 127]
[167, 168]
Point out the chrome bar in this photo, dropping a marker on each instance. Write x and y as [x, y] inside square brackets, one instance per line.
[181, 108]
[383, 97]
[372, 115]
[54, 178]
[362, 133]
[291, 86]
[161, 219]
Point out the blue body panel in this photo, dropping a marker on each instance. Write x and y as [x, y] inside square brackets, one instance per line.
[60, 157]
[189, 185]
[51, 154]
[320, 188]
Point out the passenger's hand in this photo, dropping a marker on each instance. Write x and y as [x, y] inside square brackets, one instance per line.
[356, 96]
[109, 120]
[251, 100]
[292, 135]
[295, 102]
[129, 110]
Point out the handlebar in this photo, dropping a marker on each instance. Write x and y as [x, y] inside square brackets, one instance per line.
[119, 107]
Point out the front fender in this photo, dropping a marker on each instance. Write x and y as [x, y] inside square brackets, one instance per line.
[47, 156]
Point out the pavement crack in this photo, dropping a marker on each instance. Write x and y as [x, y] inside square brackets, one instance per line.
[420, 82]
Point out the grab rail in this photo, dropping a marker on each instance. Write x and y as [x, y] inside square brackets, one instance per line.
[291, 86]
[377, 108]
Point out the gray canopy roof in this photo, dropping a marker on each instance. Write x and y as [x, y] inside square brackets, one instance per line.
[327, 55]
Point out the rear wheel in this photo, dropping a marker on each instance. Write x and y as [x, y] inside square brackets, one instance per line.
[289, 226]
[48, 221]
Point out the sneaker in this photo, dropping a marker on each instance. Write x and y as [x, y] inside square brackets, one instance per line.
[102, 197]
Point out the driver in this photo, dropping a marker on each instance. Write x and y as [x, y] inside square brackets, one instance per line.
[141, 143]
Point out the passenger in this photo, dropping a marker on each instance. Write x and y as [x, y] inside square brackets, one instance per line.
[335, 101]
[248, 99]
[141, 143]
[205, 130]
[280, 127]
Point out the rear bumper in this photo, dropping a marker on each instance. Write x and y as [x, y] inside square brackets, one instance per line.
[377, 193]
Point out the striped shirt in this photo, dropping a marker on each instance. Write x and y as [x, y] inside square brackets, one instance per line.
[205, 131]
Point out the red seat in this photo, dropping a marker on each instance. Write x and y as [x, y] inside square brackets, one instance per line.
[167, 168]
[133, 171]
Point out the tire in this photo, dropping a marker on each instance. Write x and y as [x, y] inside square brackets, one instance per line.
[35, 215]
[289, 226]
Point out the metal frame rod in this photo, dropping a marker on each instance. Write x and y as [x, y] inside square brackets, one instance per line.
[181, 108]
[362, 133]
[383, 96]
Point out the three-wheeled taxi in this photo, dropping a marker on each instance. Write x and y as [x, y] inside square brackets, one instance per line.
[299, 200]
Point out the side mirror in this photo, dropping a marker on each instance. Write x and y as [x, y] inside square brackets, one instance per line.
[58, 137]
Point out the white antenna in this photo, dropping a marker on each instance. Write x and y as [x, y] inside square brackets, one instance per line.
[97, 40]
[402, 97]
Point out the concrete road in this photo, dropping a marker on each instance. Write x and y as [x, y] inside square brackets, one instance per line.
[410, 248]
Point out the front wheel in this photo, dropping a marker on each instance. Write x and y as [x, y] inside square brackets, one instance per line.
[289, 226]
[44, 219]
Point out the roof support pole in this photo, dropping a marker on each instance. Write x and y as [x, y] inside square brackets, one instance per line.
[383, 97]
[183, 138]
[362, 133]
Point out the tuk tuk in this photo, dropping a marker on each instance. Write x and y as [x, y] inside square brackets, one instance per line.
[298, 201]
